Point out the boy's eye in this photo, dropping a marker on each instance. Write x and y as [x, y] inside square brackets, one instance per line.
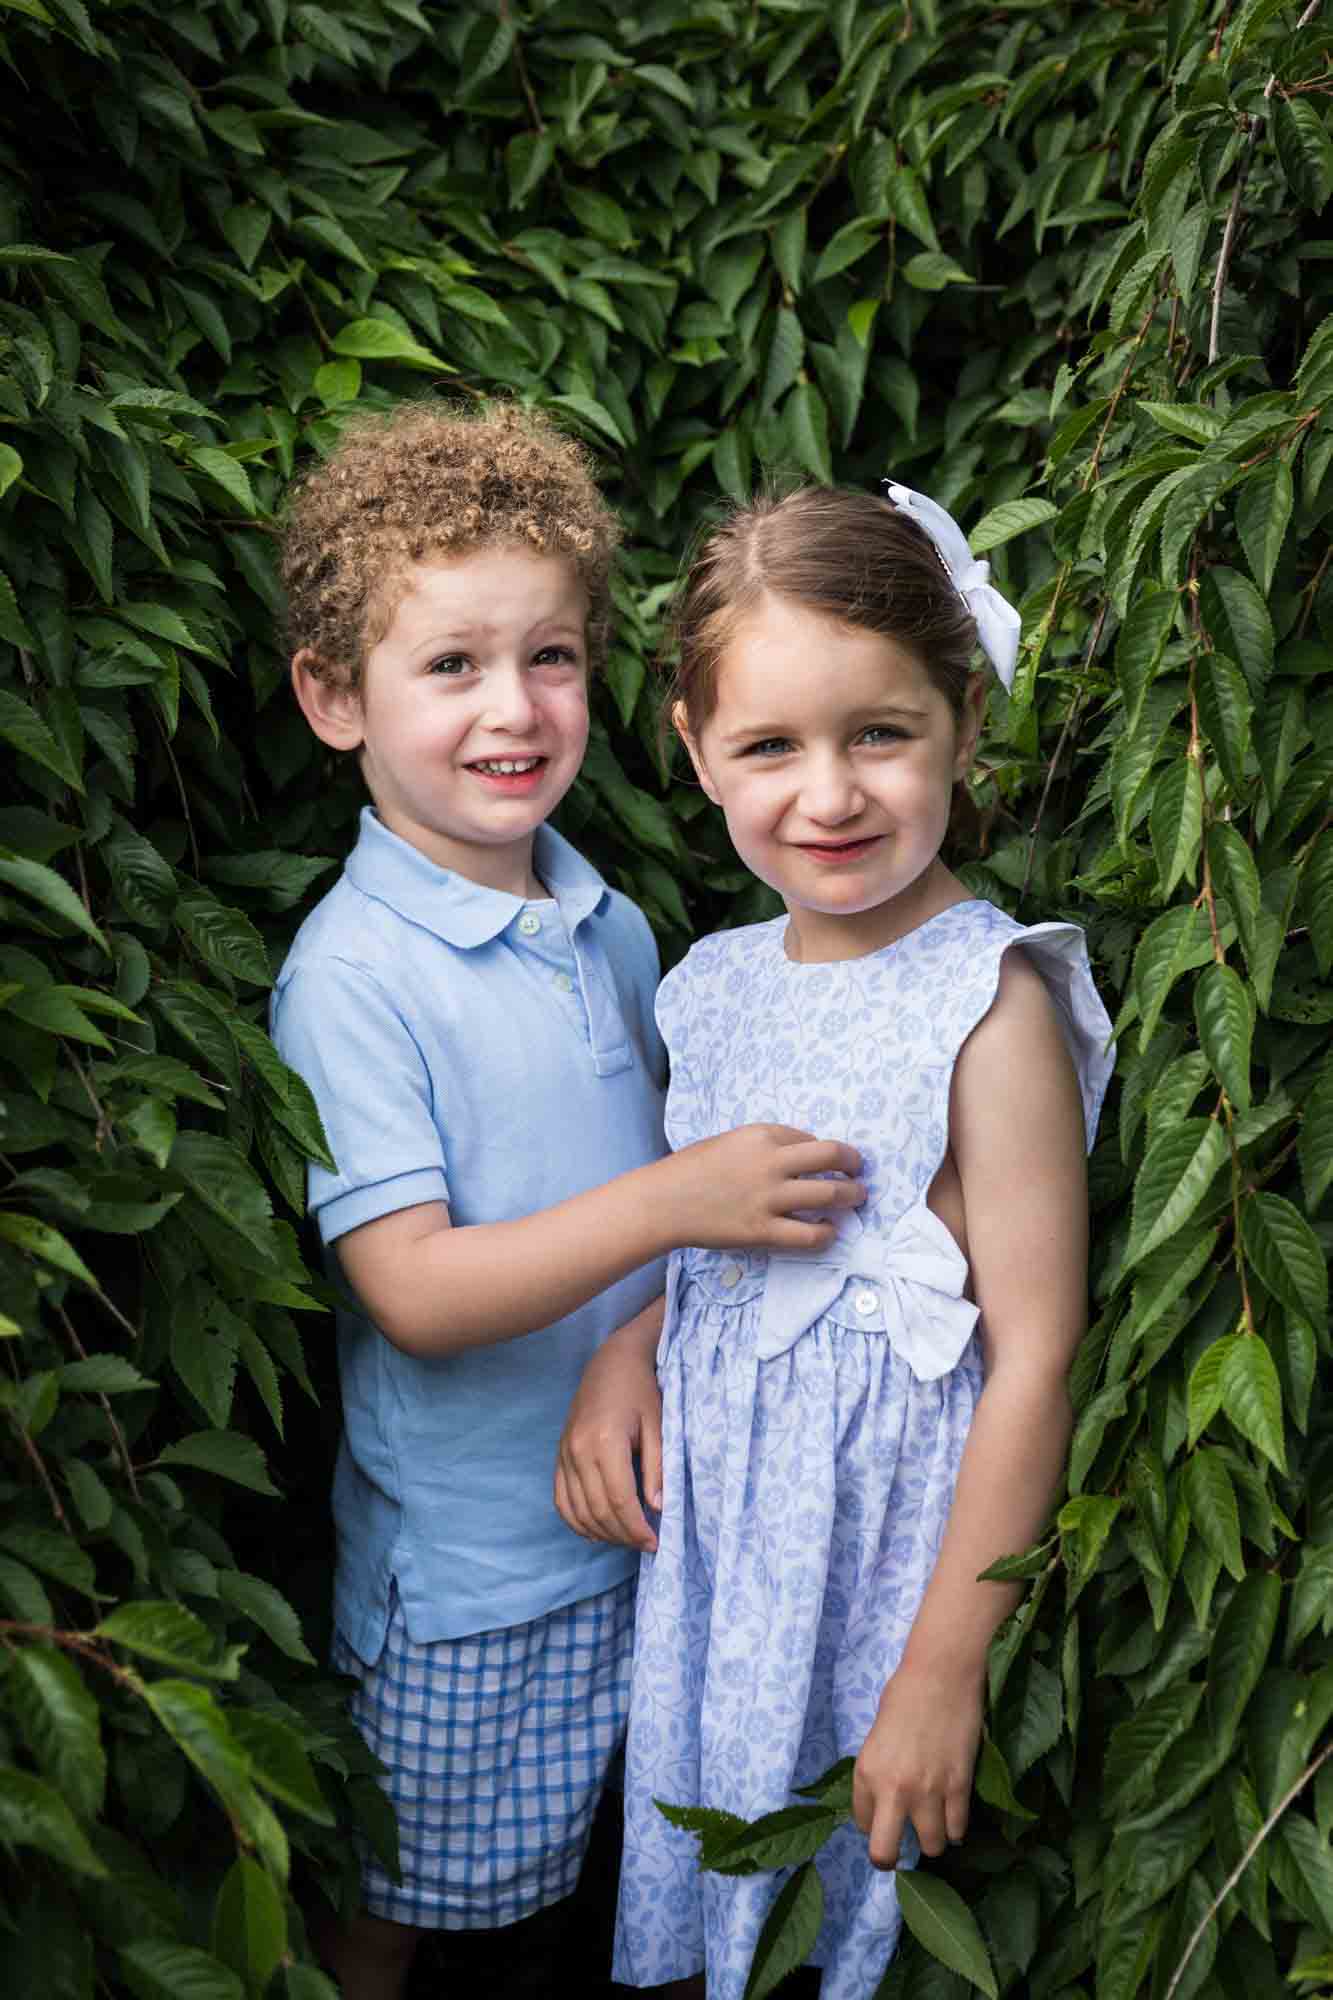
[449, 663]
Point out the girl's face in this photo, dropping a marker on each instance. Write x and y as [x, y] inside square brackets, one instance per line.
[834, 756]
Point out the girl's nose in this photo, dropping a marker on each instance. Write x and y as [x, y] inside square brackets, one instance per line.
[830, 793]
[509, 703]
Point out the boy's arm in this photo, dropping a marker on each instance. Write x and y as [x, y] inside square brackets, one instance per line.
[434, 1289]
[1017, 1138]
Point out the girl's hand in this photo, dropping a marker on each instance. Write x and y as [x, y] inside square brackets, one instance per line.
[916, 1763]
[616, 1412]
[746, 1189]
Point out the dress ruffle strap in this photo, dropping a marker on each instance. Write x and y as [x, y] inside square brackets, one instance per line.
[917, 1274]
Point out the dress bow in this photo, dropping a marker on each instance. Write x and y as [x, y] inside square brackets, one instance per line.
[917, 1272]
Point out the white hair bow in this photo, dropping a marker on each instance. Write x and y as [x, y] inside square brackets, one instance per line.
[998, 624]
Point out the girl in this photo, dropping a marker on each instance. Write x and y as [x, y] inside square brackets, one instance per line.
[850, 1436]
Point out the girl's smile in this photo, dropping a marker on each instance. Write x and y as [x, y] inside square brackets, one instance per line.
[834, 756]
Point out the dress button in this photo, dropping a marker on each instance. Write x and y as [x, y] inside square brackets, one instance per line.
[529, 923]
[730, 1276]
[562, 982]
[866, 1302]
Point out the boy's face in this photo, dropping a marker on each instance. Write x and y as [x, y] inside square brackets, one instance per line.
[472, 713]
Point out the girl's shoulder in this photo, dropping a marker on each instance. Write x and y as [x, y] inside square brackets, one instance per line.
[722, 952]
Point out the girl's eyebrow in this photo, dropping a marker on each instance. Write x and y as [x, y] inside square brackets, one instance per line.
[755, 732]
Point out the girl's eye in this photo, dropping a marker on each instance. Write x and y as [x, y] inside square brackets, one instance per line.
[767, 746]
[449, 664]
[556, 656]
[883, 732]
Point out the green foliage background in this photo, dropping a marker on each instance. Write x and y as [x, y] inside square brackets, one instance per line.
[977, 245]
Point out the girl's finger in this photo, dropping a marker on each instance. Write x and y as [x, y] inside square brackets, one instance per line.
[886, 1837]
[956, 1806]
[928, 1820]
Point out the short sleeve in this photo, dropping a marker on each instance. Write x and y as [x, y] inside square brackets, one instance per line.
[1060, 955]
[339, 1028]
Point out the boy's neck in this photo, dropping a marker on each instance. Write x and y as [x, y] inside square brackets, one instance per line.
[508, 869]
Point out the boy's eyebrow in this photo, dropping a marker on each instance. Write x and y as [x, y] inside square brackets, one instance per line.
[481, 628]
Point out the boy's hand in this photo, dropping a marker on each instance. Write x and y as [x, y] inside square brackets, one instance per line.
[744, 1189]
[916, 1764]
[616, 1412]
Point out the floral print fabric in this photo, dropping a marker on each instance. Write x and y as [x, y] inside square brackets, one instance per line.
[815, 1409]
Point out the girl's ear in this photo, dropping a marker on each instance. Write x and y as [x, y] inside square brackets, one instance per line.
[329, 705]
[682, 729]
[969, 724]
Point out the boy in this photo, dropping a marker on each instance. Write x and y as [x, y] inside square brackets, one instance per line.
[472, 1007]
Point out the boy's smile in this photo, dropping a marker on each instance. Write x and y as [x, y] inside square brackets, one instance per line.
[834, 755]
[472, 712]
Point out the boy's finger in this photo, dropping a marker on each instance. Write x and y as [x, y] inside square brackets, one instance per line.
[822, 1156]
[650, 1459]
[569, 1500]
[824, 1194]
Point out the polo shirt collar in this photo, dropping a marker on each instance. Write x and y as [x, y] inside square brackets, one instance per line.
[461, 912]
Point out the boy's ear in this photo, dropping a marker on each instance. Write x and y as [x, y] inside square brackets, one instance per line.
[969, 724]
[332, 708]
[682, 729]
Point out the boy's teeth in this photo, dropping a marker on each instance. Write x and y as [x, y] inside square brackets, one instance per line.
[508, 766]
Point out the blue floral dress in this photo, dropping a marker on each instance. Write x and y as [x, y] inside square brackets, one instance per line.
[815, 1410]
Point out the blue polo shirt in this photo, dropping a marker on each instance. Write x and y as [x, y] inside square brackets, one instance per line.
[468, 1047]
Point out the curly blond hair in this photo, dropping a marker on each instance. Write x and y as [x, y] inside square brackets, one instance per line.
[431, 480]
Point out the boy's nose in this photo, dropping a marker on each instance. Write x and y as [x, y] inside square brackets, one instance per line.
[509, 704]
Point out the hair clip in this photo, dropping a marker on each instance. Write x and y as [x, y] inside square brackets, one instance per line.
[998, 624]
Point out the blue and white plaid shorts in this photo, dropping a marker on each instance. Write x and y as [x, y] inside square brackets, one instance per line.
[497, 1748]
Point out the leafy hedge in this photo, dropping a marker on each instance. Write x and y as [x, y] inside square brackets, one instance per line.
[1057, 263]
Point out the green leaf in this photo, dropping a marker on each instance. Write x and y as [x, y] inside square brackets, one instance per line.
[33, 1814]
[931, 271]
[44, 886]
[104, 1375]
[279, 1762]
[1316, 1140]
[1014, 517]
[224, 938]
[198, 1726]
[38, 1239]
[60, 1722]
[1252, 1397]
[172, 1636]
[1237, 618]
[223, 1180]
[1263, 511]
[1305, 150]
[1225, 710]
[1175, 1176]
[994, 1784]
[600, 216]
[1241, 1646]
[1176, 823]
[226, 472]
[1139, 648]
[1285, 1252]
[268, 1609]
[940, 1920]
[223, 1453]
[1172, 943]
[249, 1923]
[377, 340]
[55, 1554]
[159, 1969]
[1211, 1499]
[1222, 1013]
[1136, 1747]
[789, 1933]
[806, 422]
[21, 725]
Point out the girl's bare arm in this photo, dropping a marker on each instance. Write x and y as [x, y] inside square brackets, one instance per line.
[1017, 1142]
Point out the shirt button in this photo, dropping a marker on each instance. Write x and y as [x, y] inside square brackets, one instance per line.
[866, 1302]
[529, 923]
[562, 982]
[730, 1276]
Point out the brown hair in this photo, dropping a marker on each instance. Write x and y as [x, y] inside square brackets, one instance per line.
[848, 555]
[430, 480]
